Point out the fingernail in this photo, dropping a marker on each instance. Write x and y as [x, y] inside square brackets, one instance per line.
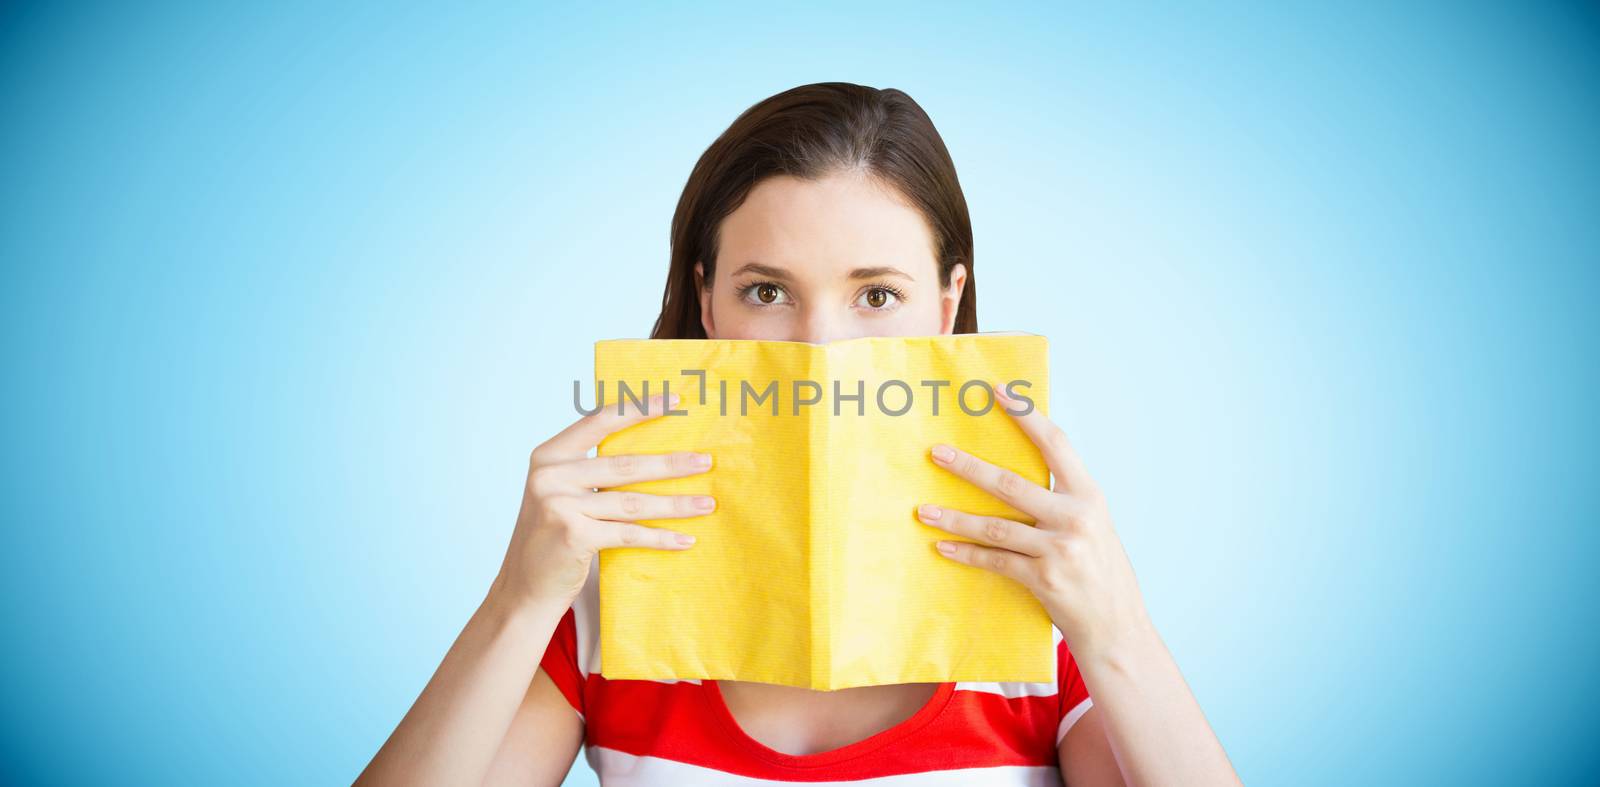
[702, 461]
[673, 402]
[928, 511]
[685, 539]
[704, 503]
[947, 548]
[943, 453]
[1000, 393]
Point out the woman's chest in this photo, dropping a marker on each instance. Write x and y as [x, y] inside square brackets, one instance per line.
[680, 732]
[801, 721]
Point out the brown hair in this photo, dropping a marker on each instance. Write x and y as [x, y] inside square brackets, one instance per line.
[809, 132]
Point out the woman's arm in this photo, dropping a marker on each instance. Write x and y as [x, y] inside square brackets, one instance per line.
[1147, 720]
[1073, 561]
[457, 731]
[452, 732]
[543, 741]
[1086, 756]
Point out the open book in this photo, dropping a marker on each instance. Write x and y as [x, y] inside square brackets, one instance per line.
[814, 570]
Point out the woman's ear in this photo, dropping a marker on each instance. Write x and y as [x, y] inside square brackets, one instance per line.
[950, 300]
[703, 292]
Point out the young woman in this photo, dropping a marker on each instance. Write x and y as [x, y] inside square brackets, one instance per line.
[826, 212]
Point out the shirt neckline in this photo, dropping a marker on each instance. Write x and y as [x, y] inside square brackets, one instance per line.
[924, 715]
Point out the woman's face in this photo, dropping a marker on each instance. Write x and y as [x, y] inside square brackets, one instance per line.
[819, 260]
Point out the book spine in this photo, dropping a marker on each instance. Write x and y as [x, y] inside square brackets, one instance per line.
[820, 524]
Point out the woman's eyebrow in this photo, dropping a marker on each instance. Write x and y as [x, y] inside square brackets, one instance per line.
[859, 273]
[874, 273]
[762, 270]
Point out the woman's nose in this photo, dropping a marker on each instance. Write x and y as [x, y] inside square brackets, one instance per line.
[822, 325]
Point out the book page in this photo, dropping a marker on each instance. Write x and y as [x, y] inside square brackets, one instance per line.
[737, 605]
[904, 613]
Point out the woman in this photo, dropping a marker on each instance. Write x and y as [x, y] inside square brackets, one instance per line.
[826, 212]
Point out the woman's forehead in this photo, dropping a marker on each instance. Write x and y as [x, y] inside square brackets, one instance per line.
[829, 228]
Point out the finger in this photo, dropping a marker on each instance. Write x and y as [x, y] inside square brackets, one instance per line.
[1013, 489]
[1059, 455]
[634, 506]
[574, 442]
[1003, 562]
[991, 530]
[601, 472]
[617, 535]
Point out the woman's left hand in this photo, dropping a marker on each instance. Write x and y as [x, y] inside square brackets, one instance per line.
[1071, 560]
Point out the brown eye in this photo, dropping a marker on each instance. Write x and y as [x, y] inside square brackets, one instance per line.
[877, 298]
[767, 293]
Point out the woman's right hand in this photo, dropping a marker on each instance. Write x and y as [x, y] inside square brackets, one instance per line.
[567, 515]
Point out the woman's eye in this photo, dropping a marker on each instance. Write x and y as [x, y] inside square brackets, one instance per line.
[879, 297]
[764, 294]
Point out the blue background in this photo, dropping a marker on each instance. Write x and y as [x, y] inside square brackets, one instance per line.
[290, 292]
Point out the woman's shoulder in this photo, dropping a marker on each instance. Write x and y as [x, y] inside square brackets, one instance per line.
[1017, 689]
[586, 621]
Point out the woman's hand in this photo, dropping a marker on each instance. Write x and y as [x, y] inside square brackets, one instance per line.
[455, 729]
[1074, 563]
[567, 516]
[1071, 560]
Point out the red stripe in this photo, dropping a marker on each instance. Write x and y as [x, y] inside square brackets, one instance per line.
[560, 661]
[684, 722]
[689, 723]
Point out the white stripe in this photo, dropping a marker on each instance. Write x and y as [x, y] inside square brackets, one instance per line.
[1012, 690]
[619, 769]
[1072, 718]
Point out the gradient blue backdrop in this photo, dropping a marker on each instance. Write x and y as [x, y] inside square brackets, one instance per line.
[290, 292]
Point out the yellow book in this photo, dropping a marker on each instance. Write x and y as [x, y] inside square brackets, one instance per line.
[814, 570]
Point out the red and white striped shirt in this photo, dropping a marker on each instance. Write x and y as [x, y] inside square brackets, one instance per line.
[681, 731]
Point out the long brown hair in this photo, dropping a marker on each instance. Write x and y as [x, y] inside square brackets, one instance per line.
[809, 132]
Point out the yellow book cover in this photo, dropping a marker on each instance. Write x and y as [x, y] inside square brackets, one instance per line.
[813, 570]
